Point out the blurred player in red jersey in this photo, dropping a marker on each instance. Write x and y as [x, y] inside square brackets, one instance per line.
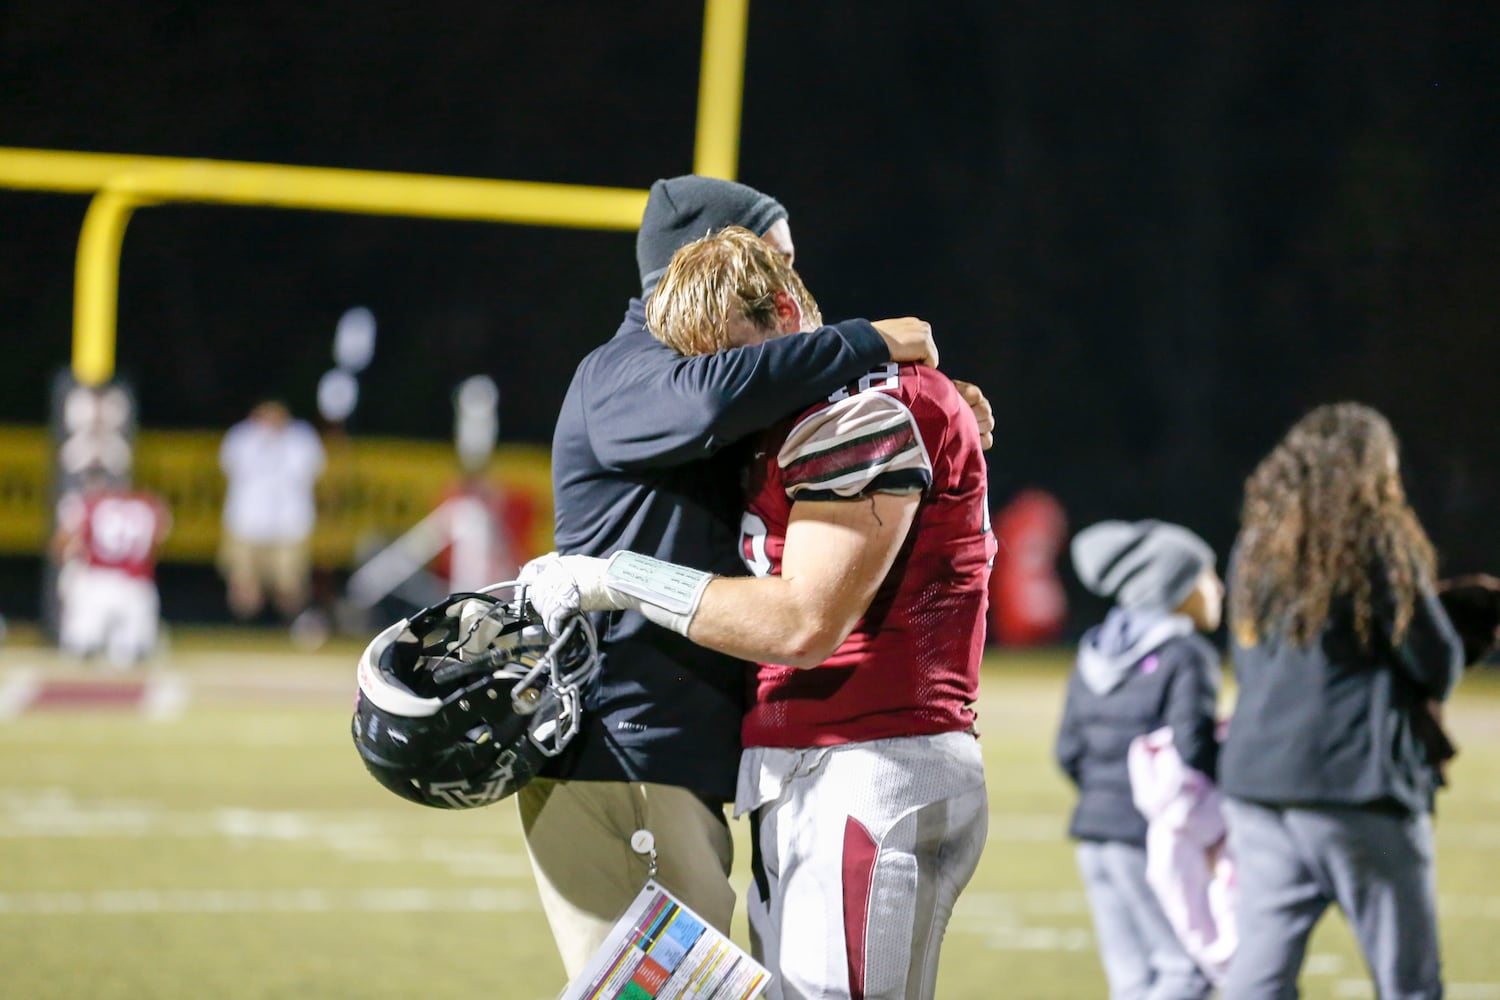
[106, 541]
[486, 529]
[867, 529]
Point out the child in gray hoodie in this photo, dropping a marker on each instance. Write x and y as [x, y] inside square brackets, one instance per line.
[1144, 667]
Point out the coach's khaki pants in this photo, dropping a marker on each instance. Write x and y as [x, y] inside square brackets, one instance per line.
[578, 835]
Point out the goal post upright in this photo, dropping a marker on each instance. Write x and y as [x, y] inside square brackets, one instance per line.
[96, 286]
[721, 85]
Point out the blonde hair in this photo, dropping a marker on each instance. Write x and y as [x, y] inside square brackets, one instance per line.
[728, 276]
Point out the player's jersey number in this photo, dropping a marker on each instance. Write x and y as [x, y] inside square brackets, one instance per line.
[886, 376]
[122, 531]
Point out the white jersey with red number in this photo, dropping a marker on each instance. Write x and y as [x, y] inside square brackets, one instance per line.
[116, 529]
[911, 665]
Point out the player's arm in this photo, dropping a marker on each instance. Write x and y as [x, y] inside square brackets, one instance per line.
[1192, 704]
[662, 409]
[1070, 746]
[64, 545]
[855, 472]
[837, 554]
[67, 540]
[1430, 653]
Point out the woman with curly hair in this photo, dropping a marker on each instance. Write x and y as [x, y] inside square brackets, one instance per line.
[1340, 651]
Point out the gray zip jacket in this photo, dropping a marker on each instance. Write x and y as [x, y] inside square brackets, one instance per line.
[1135, 672]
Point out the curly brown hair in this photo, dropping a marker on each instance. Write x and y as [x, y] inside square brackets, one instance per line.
[1324, 511]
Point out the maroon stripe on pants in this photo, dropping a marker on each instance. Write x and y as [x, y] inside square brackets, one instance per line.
[860, 852]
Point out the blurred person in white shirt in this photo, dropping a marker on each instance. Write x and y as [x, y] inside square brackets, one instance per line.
[271, 462]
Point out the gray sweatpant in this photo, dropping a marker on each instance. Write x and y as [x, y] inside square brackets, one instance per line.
[1143, 960]
[1291, 863]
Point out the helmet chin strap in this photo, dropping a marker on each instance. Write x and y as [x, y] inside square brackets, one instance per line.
[454, 668]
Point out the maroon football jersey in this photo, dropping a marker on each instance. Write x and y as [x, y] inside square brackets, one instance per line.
[118, 529]
[911, 665]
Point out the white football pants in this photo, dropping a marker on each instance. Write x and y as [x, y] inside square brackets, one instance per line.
[106, 611]
[861, 851]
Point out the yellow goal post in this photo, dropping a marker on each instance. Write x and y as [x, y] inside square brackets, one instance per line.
[120, 184]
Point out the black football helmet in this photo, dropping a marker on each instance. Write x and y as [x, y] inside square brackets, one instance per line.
[461, 704]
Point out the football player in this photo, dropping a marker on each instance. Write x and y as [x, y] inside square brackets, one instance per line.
[106, 541]
[867, 529]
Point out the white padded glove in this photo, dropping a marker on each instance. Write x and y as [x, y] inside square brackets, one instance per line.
[666, 593]
[556, 591]
[534, 567]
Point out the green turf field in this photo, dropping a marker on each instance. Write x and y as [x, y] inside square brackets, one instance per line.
[222, 840]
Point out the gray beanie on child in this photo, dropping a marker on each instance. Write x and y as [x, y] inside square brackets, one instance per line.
[680, 210]
[1141, 565]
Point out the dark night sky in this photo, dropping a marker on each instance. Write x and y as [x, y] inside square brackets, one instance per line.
[1155, 233]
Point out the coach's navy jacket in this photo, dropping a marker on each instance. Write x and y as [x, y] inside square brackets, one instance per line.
[1135, 673]
[641, 460]
[1332, 724]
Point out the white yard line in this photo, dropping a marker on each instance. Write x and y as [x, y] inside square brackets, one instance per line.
[1453, 991]
[980, 905]
[1471, 991]
[1322, 963]
[18, 690]
[166, 697]
[1030, 828]
[1020, 921]
[129, 902]
[55, 814]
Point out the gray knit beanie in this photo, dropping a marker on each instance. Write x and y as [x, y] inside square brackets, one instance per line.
[1141, 565]
[680, 210]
